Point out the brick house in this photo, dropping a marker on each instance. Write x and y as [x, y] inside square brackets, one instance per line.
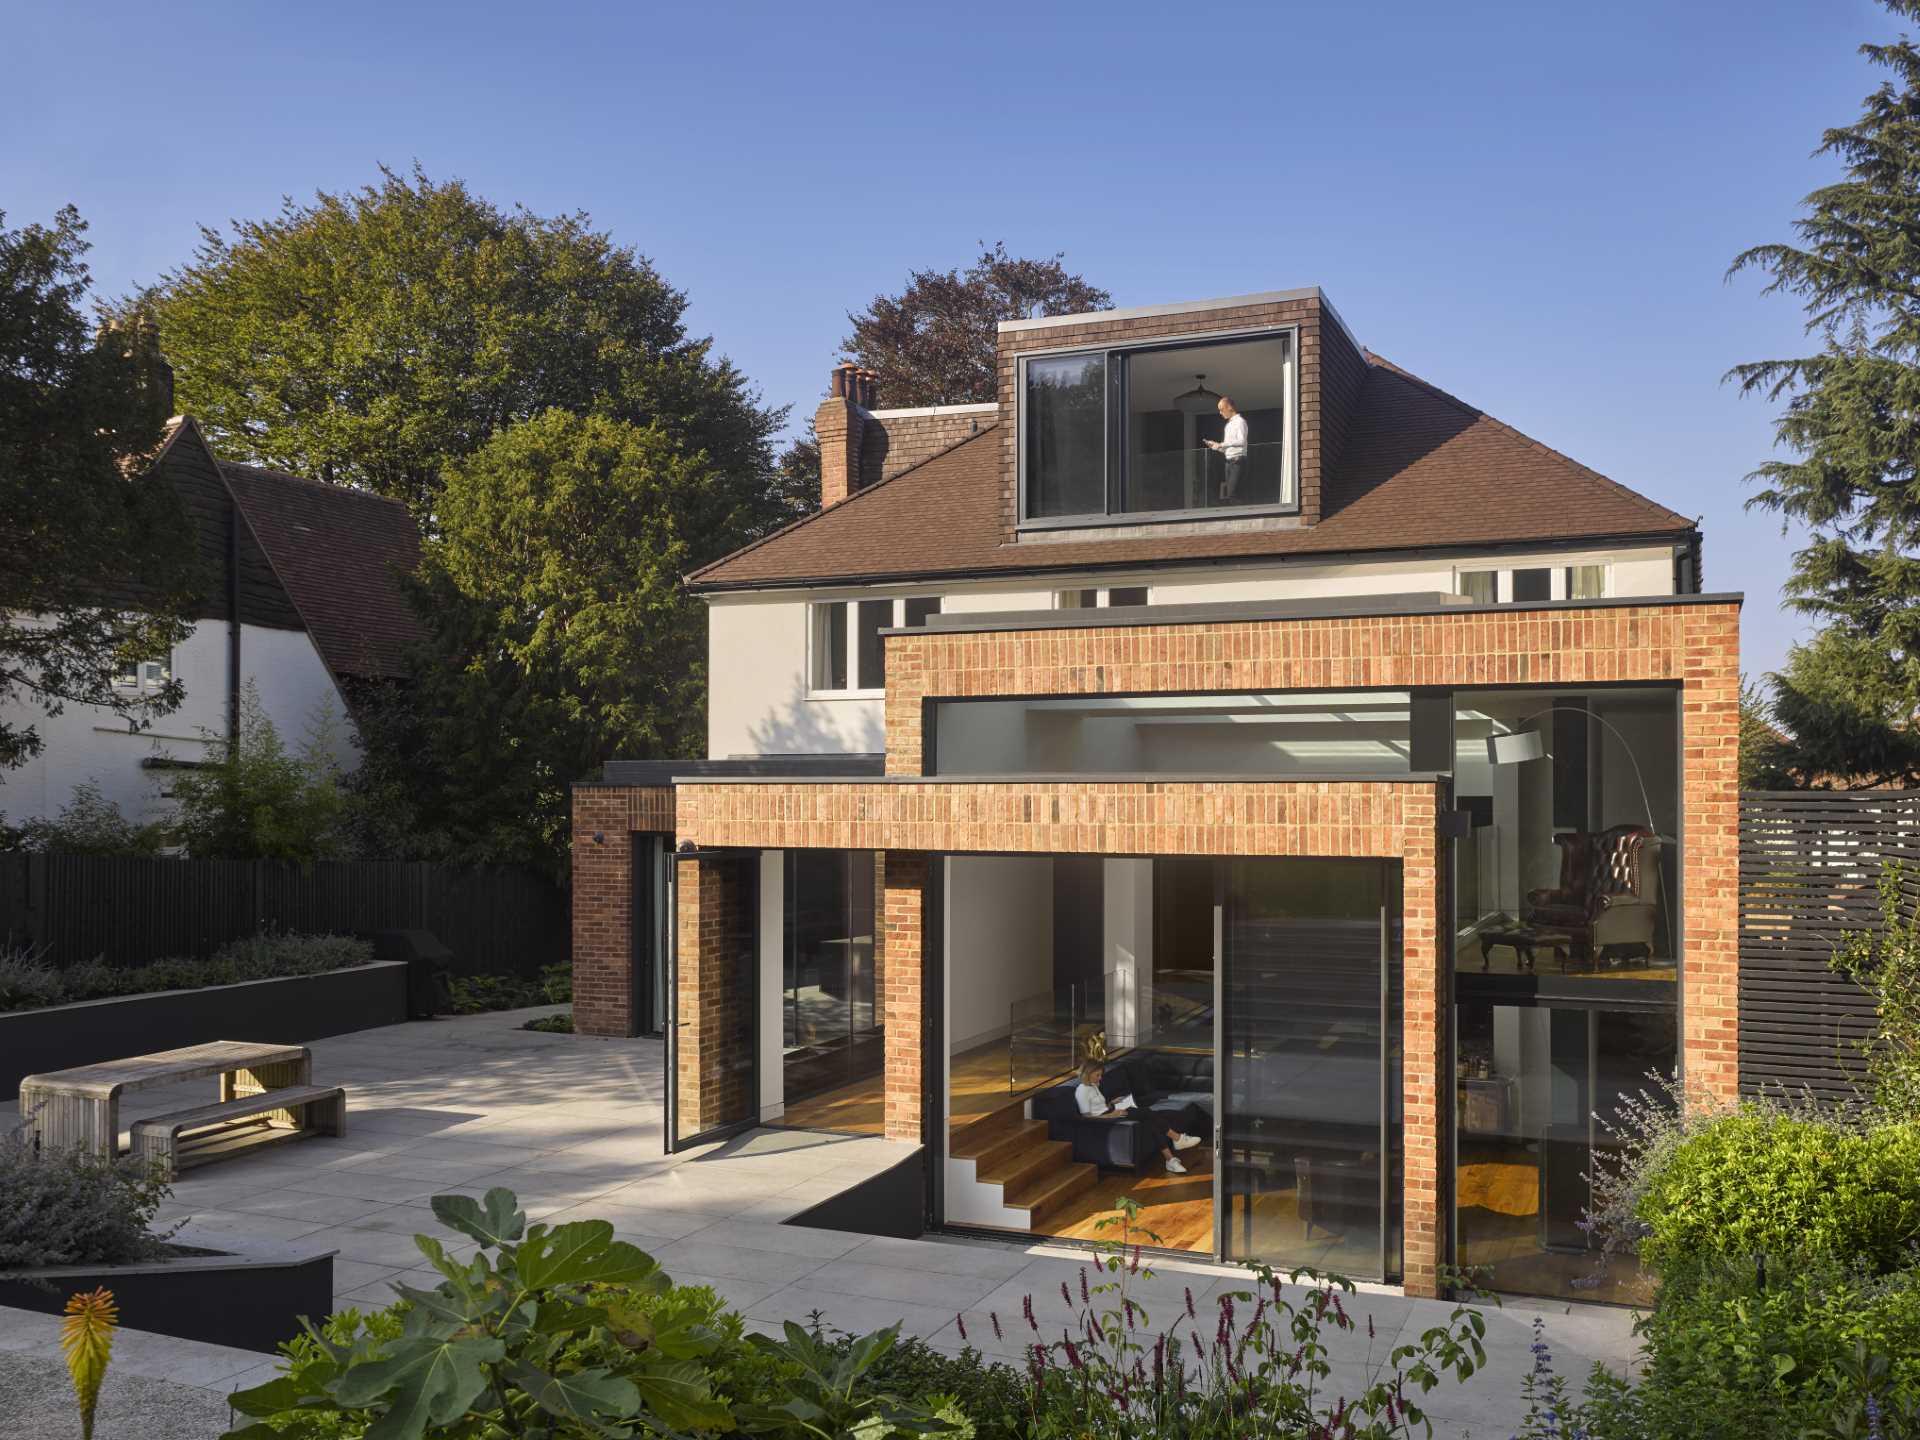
[1351, 773]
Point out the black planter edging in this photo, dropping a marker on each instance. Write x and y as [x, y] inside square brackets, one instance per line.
[286, 1011]
[250, 1296]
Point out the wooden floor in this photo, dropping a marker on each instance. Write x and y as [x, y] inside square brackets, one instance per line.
[979, 1086]
[1176, 1211]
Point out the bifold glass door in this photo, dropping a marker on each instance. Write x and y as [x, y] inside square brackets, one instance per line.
[1310, 1047]
[830, 1008]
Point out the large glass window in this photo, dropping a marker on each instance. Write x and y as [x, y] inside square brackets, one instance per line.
[1066, 435]
[1168, 429]
[1536, 1091]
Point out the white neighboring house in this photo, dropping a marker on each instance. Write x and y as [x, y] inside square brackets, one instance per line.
[303, 599]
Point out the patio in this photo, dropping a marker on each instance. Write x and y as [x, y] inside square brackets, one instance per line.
[573, 1126]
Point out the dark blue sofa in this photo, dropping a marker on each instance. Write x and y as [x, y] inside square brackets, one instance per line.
[1161, 1080]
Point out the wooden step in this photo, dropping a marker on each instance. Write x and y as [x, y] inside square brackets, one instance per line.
[969, 1139]
[989, 1150]
[1018, 1167]
[1050, 1190]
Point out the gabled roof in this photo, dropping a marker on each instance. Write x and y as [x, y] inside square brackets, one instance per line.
[340, 554]
[1420, 470]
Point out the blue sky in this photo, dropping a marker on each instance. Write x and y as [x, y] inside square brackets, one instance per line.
[1530, 204]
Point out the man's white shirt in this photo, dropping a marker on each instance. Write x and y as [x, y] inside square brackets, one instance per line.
[1234, 444]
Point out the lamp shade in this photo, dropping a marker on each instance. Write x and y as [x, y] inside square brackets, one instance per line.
[1516, 748]
[1199, 400]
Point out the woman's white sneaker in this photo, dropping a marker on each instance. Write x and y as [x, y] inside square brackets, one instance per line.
[1174, 1167]
[1186, 1142]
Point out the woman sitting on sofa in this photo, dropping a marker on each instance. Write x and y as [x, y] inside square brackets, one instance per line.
[1092, 1102]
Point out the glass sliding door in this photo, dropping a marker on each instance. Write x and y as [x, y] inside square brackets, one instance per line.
[830, 1006]
[1310, 1044]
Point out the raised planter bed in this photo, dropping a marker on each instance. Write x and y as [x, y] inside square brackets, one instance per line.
[289, 1010]
[247, 1293]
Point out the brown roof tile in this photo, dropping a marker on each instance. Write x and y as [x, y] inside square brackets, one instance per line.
[1420, 470]
[340, 554]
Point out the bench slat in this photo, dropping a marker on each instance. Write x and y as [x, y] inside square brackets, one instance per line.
[243, 1108]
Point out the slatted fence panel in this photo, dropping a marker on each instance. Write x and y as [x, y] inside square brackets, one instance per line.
[1810, 868]
[128, 910]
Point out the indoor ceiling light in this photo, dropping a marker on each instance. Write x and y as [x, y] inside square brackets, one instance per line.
[1199, 400]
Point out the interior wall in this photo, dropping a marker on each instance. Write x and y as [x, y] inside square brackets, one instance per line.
[1127, 926]
[999, 948]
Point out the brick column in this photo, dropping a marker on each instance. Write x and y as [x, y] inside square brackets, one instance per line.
[602, 913]
[714, 1038]
[907, 875]
[1710, 796]
[1425, 1005]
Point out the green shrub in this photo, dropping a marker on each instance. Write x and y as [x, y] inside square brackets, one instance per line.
[71, 1208]
[1762, 1181]
[992, 1396]
[566, 1333]
[477, 994]
[1730, 1355]
[28, 981]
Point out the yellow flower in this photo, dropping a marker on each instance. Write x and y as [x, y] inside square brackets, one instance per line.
[87, 1337]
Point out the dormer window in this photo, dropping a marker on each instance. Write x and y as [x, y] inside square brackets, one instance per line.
[1153, 432]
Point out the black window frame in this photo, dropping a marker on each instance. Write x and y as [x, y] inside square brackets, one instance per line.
[1117, 457]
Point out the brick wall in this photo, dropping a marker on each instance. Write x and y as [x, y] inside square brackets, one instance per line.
[837, 424]
[1306, 313]
[717, 954]
[602, 913]
[890, 443]
[603, 899]
[904, 999]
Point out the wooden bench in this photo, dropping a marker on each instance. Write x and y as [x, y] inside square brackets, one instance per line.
[185, 1138]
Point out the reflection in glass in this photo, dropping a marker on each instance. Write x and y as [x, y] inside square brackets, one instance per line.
[1531, 1080]
[1066, 435]
[1571, 865]
[830, 1012]
[1301, 733]
[1311, 1036]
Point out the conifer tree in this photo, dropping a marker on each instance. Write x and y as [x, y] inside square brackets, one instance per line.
[1850, 430]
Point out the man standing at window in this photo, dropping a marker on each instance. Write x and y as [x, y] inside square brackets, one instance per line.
[1233, 447]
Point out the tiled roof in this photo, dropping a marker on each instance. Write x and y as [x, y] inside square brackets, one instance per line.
[1420, 470]
[340, 554]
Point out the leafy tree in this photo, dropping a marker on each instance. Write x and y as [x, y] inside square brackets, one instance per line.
[1762, 746]
[796, 476]
[100, 568]
[1851, 427]
[934, 343]
[562, 636]
[258, 800]
[89, 824]
[373, 338]
[1885, 962]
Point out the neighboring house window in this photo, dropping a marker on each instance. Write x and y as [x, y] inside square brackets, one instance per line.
[1586, 582]
[1480, 586]
[848, 651]
[1138, 431]
[143, 674]
[1532, 585]
[1094, 599]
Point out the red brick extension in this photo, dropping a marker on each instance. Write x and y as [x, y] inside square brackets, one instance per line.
[1696, 645]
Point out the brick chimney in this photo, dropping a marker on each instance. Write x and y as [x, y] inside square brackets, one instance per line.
[840, 424]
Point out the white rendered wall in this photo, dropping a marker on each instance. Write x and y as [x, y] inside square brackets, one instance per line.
[758, 701]
[86, 742]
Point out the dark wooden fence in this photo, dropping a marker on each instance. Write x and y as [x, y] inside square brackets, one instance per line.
[1810, 868]
[498, 919]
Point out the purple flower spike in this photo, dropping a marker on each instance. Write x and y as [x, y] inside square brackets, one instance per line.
[961, 1321]
[1192, 1314]
[994, 1316]
[1085, 1298]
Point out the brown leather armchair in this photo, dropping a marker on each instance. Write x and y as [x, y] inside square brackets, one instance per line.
[1605, 901]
